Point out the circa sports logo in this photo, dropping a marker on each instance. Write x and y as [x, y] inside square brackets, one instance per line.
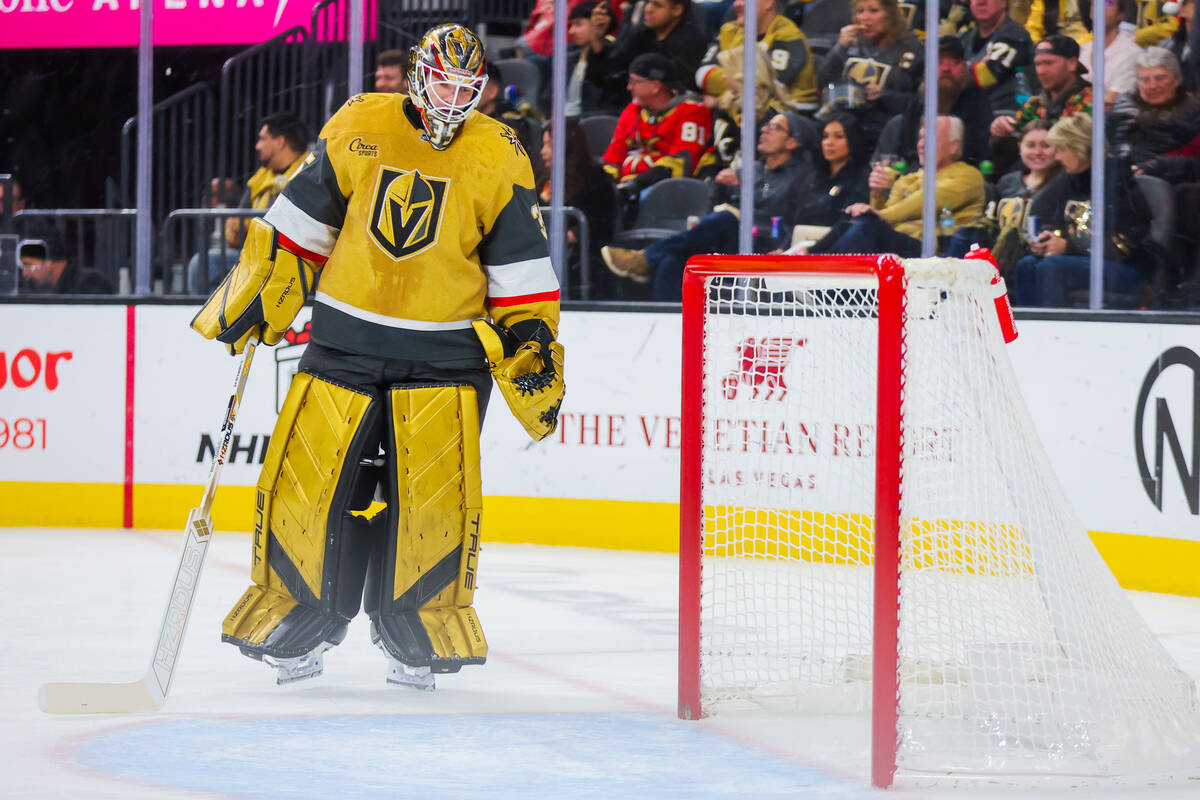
[1185, 455]
[361, 148]
[406, 211]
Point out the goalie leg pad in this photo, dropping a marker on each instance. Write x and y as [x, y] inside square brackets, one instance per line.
[309, 554]
[425, 574]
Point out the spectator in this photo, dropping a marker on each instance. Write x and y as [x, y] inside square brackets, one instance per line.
[1014, 191]
[1120, 51]
[1059, 260]
[957, 96]
[995, 49]
[660, 134]
[588, 188]
[841, 172]
[1050, 17]
[1159, 116]
[666, 27]
[537, 38]
[390, 71]
[892, 224]
[45, 268]
[590, 89]
[281, 147]
[877, 56]
[1056, 59]
[782, 182]
[785, 47]
[493, 103]
[1185, 44]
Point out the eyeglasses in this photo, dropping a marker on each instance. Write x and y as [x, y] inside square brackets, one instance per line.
[775, 126]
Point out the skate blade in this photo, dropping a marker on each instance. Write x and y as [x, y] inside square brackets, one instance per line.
[399, 676]
[301, 668]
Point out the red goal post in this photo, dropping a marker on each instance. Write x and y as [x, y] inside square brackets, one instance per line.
[868, 521]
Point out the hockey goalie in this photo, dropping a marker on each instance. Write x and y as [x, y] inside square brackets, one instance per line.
[427, 264]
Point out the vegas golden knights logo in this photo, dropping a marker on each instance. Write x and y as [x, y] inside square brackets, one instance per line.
[867, 71]
[1010, 212]
[462, 50]
[406, 213]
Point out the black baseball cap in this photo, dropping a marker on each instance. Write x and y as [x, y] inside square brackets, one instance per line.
[654, 66]
[1058, 44]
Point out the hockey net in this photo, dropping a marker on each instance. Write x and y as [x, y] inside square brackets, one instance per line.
[863, 493]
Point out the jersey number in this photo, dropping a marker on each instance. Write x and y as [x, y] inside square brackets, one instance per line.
[1001, 53]
[691, 132]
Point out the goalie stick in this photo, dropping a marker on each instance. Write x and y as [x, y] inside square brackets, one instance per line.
[149, 693]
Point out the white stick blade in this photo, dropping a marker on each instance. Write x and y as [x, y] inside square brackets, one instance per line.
[97, 698]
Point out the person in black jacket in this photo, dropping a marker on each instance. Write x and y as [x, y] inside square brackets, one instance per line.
[666, 27]
[1059, 260]
[782, 183]
[45, 268]
[957, 97]
[587, 187]
[1159, 116]
[880, 58]
[841, 172]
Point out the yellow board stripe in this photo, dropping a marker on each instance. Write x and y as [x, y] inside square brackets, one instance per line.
[1146, 563]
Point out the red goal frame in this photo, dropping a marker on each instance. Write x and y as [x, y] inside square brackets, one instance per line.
[888, 462]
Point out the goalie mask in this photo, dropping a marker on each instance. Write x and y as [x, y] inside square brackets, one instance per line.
[446, 76]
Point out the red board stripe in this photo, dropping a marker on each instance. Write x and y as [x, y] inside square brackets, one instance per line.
[130, 328]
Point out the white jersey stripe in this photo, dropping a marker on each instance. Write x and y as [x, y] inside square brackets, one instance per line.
[390, 322]
[535, 276]
[287, 218]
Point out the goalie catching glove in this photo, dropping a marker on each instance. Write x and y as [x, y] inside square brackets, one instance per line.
[527, 365]
[260, 296]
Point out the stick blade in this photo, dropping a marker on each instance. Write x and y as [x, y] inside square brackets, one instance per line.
[98, 698]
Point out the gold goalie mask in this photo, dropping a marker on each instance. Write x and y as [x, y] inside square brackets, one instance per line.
[527, 365]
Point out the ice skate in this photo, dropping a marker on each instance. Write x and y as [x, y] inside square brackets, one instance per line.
[293, 670]
[401, 674]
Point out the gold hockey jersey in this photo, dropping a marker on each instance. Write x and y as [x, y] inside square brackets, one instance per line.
[416, 242]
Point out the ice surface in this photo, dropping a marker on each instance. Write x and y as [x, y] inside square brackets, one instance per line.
[577, 698]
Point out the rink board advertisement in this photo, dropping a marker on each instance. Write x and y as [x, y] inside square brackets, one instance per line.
[1117, 406]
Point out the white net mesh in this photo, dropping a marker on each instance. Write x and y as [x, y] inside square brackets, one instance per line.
[1018, 650]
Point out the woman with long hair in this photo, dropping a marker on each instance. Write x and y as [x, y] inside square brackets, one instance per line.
[586, 186]
[1059, 261]
[1015, 190]
[841, 171]
[878, 56]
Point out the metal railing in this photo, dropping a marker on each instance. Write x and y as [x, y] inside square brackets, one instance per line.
[94, 238]
[403, 22]
[6, 202]
[184, 131]
[580, 289]
[329, 36]
[189, 241]
[510, 13]
[272, 76]
[10, 269]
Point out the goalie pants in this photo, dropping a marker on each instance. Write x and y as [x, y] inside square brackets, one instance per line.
[352, 423]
